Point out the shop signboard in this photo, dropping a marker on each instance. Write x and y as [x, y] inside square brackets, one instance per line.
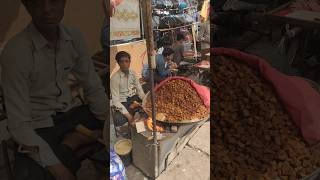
[125, 20]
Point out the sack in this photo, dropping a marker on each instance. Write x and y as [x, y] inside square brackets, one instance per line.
[175, 4]
[163, 4]
[168, 22]
[183, 19]
[153, 3]
[189, 18]
[302, 102]
[117, 169]
[155, 21]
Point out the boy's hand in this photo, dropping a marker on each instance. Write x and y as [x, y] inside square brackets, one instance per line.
[173, 65]
[129, 117]
[134, 105]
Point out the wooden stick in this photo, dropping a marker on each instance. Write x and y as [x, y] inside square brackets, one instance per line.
[169, 29]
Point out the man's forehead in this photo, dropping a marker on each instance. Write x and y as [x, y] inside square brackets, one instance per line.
[124, 58]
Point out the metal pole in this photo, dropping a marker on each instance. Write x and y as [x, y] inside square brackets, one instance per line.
[193, 27]
[151, 64]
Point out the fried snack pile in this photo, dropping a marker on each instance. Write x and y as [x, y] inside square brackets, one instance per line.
[178, 100]
[253, 136]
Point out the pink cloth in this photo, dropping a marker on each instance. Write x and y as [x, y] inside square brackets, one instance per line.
[203, 91]
[301, 101]
[203, 64]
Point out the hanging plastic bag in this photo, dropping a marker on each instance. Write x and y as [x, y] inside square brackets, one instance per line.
[155, 21]
[117, 170]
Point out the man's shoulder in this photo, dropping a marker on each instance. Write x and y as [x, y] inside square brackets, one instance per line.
[115, 76]
[18, 46]
[73, 32]
[77, 38]
[160, 60]
[132, 72]
[159, 57]
[20, 40]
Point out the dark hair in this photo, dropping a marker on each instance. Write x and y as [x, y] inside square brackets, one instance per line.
[122, 54]
[180, 37]
[166, 43]
[167, 52]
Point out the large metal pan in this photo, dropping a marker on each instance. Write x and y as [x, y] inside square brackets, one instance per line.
[183, 121]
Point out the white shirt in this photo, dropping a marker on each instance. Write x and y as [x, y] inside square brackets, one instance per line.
[34, 81]
[123, 86]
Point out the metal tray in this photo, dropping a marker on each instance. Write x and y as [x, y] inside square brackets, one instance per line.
[275, 18]
[316, 174]
[186, 121]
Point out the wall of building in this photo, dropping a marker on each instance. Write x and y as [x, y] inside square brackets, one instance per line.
[137, 50]
[86, 15]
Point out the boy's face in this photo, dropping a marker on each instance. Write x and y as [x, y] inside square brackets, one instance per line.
[46, 14]
[124, 64]
[169, 58]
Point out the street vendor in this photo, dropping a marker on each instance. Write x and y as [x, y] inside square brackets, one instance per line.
[126, 91]
[165, 66]
[41, 119]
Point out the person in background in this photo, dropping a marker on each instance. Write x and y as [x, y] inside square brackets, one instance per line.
[179, 49]
[41, 118]
[126, 90]
[204, 36]
[165, 44]
[204, 30]
[165, 66]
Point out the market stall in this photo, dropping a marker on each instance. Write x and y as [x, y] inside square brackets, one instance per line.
[157, 140]
[178, 119]
[171, 18]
